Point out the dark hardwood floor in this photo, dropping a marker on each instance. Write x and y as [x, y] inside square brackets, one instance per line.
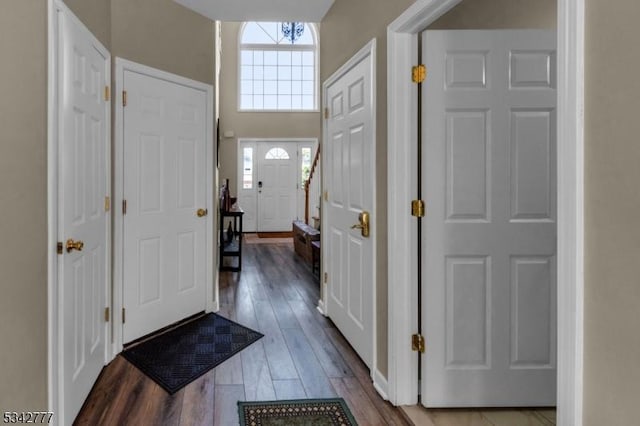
[302, 355]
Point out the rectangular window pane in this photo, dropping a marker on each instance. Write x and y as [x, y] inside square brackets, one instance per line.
[270, 57]
[296, 58]
[258, 87]
[296, 87]
[247, 172]
[246, 101]
[284, 88]
[284, 102]
[307, 102]
[296, 102]
[296, 73]
[270, 88]
[307, 88]
[258, 72]
[246, 87]
[284, 73]
[246, 72]
[270, 102]
[307, 58]
[307, 73]
[284, 58]
[270, 73]
[258, 57]
[258, 102]
[247, 57]
[306, 164]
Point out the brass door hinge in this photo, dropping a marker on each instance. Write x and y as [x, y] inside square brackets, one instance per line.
[59, 248]
[418, 208]
[124, 98]
[107, 204]
[107, 314]
[124, 206]
[326, 195]
[326, 113]
[417, 343]
[326, 277]
[107, 93]
[124, 316]
[418, 73]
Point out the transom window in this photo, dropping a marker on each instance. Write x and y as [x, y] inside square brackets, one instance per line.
[278, 67]
[276, 154]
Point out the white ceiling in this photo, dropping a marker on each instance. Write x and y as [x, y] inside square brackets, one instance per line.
[260, 10]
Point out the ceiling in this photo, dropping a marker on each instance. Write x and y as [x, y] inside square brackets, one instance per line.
[260, 10]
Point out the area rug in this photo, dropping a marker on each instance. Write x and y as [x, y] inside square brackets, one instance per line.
[297, 412]
[176, 358]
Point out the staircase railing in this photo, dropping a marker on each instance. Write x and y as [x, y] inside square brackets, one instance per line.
[307, 183]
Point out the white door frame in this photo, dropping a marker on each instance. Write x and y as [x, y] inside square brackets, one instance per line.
[239, 175]
[402, 39]
[379, 382]
[55, 381]
[212, 302]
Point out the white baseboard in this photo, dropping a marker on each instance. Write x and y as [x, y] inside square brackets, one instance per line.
[215, 306]
[321, 308]
[380, 384]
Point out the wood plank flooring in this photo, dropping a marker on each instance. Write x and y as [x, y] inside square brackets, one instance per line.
[302, 355]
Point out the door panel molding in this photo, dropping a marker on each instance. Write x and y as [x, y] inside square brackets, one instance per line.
[212, 301]
[402, 41]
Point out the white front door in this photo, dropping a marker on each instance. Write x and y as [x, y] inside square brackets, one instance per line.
[165, 244]
[276, 186]
[84, 71]
[349, 180]
[489, 243]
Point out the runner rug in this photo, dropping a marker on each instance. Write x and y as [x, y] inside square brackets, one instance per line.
[298, 412]
[176, 358]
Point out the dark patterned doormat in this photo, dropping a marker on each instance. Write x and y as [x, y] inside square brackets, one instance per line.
[297, 412]
[176, 358]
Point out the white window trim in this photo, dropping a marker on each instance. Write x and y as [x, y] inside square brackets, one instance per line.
[303, 47]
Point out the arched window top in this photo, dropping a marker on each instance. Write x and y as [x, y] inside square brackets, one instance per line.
[276, 154]
[275, 33]
[278, 66]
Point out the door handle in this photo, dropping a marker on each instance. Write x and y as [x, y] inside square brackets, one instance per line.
[202, 212]
[74, 245]
[363, 224]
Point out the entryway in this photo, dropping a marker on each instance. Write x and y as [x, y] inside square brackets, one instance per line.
[271, 177]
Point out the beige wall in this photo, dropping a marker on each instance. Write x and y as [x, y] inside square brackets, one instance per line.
[499, 14]
[347, 27]
[23, 205]
[249, 124]
[96, 15]
[164, 35]
[612, 293]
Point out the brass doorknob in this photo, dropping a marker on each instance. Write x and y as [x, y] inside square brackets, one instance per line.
[74, 245]
[363, 224]
[202, 212]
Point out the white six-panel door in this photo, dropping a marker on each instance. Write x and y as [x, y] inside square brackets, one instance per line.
[349, 180]
[84, 169]
[276, 186]
[489, 264]
[164, 250]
